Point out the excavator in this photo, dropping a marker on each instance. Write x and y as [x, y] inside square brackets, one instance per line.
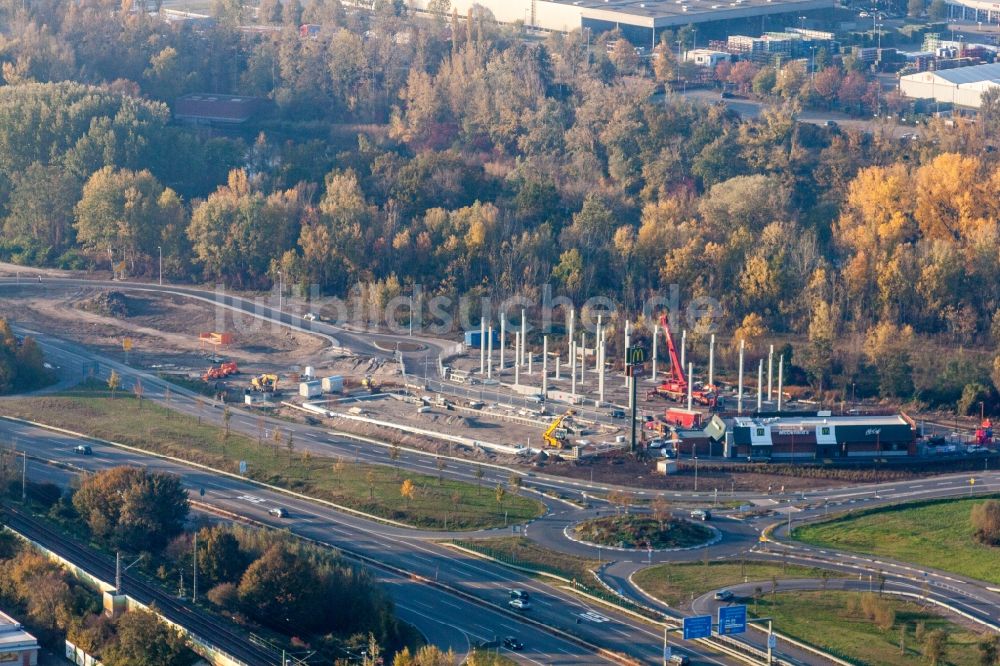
[368, 383]
[220, 371]
[675, 386]
[555, 435]
[264, 383]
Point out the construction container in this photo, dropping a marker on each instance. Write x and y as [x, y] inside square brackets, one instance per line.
[311, 389]
[685, 418]
[666, 466]
[309, 372]
[474, 339]
[333, 384]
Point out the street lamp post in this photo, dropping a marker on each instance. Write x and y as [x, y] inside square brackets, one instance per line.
[160, 250]
[280, 289]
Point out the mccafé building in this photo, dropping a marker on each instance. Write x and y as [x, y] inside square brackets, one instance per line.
[818, 437]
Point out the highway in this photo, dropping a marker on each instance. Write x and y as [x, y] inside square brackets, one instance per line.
[472, 582]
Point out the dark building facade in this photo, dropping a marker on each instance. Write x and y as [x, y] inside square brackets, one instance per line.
[823, 437]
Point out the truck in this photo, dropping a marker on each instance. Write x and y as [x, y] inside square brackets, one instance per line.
[685, 418]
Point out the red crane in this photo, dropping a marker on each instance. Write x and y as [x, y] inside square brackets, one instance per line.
[675, 386]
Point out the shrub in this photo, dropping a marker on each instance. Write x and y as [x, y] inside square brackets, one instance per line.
[225, 596]
[985, 518]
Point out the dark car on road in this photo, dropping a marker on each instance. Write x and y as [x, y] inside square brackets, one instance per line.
[83, 449]
[512, 643]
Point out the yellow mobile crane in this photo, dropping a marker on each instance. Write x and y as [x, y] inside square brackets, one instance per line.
[555, 435]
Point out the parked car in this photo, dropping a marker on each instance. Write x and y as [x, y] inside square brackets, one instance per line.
[519, 604]
[83, 449]
[278, 512]
[512, 643]
[723, 595]
[617, 413]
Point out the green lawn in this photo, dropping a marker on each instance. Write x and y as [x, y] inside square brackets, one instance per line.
[833, 621]
[934, 534]
[371, 488]
[526, 553]
[678, 584]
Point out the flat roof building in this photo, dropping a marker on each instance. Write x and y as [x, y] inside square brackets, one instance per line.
[17, 646]
[822, 437]
[962, 86]
[210, 108]
[640, 21]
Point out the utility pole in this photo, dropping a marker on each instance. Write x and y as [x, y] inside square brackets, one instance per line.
[160, 249]
[656, 331]
[24, 476]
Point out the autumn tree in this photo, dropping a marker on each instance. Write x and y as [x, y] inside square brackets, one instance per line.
[220, 559]
[408, 491]
[142, 639]
[132, 508]
[283, 589]
[985, 518]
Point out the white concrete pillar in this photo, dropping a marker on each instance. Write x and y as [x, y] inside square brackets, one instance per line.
[711, 361]
[625, 354]
[583, 356]
[489, 352]
[517, 366]
[599, 335]
[600, 351]
[739, 394]
[781, 372]
[770, 372]
[684, 338]
[545, 366]
[690, 385]
[530, 361]
[503, 340]
[572, 324]
[482, 345]
[558, 358]
[760, 384]
[524, 334]
[572, 366]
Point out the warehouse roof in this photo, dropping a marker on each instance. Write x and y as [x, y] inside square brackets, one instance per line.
[811, 420]
[215, 108]
[660, 13]
[13, 636]
[966, 75]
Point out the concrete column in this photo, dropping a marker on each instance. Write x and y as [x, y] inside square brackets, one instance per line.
[739, 395]
[572, 363]
[781, 372]
[656, 331]
[770, 372]
[760, 384]
[597, 337]
[684, 338]
[690, 385]
[517, 366]
[600, 351]
[530, 361]
[545, 366]
[558, 357]
[489, 352]
[524, 334]
[583, 356]
[482, 345]
[572, 324]
[711, 360]
[503, 340]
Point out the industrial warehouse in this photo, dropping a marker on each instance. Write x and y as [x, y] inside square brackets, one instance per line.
[962, 86]
[640, 22]
[819, 437]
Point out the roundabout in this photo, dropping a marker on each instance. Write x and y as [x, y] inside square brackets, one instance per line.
[642, 532]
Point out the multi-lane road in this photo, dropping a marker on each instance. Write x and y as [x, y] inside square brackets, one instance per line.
[455, 599]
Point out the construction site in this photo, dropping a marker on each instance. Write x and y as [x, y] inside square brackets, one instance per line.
[502, 393]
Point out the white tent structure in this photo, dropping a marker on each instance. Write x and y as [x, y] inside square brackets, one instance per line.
[962, 86]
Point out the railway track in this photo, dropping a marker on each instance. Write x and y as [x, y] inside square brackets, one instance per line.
[202, 626]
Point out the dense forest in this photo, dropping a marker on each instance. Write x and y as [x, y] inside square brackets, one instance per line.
[455, 154]
[22, 365]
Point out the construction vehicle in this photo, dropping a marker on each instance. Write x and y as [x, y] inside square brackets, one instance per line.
[556, 436]
[984, 433]
[368, 383]
[220, 371]
[265, 383]
[675, 386]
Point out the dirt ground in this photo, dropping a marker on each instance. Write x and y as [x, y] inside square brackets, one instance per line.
[164, 332]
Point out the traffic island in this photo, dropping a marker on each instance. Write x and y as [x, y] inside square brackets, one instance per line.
[642, 532]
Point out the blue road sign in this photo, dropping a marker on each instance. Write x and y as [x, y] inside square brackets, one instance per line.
[699, 626]
[732, 620]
